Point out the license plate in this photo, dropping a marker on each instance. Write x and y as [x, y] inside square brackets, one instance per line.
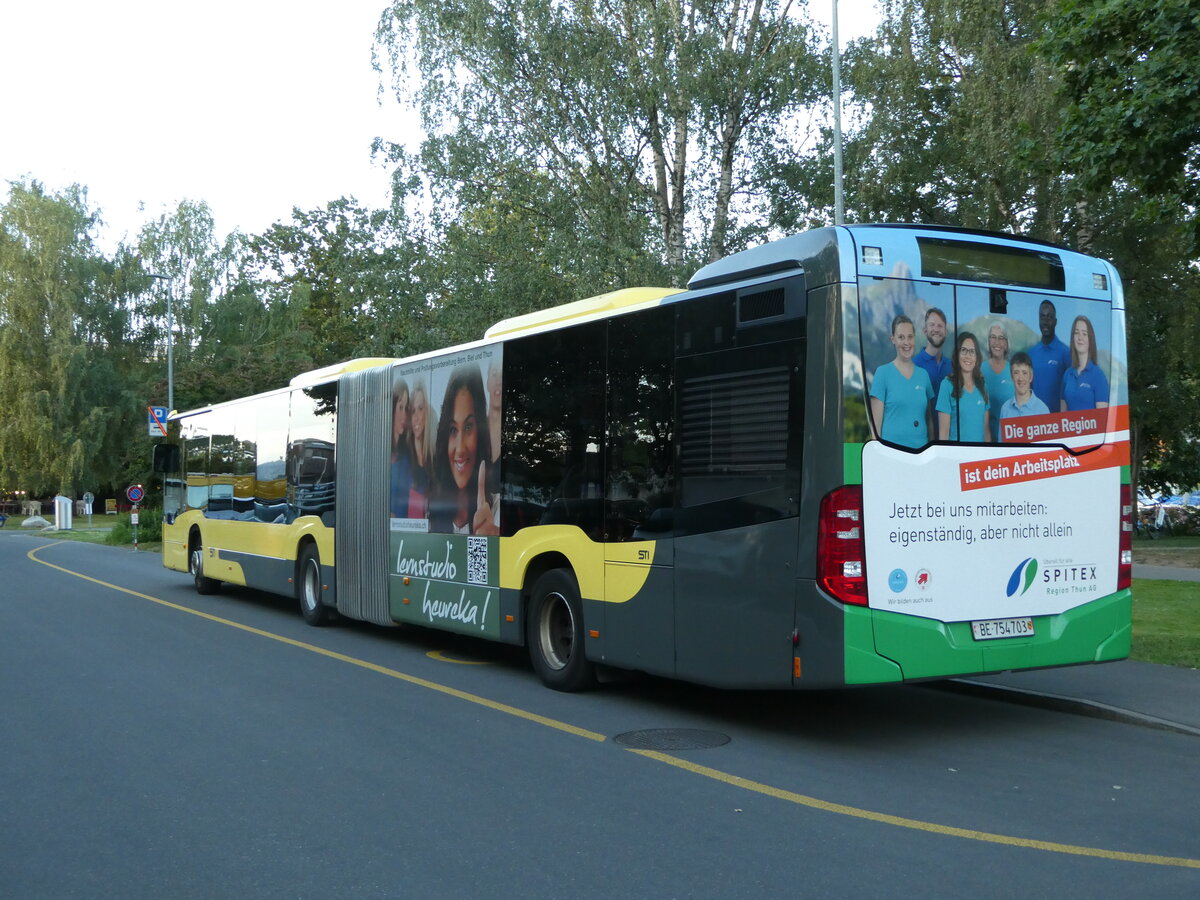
[990, 629]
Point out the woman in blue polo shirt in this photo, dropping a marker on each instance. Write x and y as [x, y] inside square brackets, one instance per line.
[962, 403]
[901, 391]
[1084, 385]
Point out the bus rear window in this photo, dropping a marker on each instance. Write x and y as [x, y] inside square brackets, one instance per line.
[990, 263]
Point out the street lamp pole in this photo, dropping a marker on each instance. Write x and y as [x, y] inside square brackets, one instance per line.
[170, 342]
[839, 206]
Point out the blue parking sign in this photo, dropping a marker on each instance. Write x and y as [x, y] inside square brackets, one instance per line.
[157, 421]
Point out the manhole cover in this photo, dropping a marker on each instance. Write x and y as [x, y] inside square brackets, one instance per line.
[672, 739]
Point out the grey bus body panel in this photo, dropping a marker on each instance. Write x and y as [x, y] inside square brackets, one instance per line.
[639, 633]
[819, 620]
[264, 573]
[734, 605]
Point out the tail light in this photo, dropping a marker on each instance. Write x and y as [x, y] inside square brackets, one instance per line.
[841, 551]
[1125, 561]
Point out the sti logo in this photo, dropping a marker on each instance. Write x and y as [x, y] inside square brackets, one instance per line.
[1022, 577]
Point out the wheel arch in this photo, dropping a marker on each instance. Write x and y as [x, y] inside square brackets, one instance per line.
[302, 545]
[537, 567]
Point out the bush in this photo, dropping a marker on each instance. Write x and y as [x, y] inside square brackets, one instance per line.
[149, 528]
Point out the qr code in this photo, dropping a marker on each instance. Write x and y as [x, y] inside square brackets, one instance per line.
[477, 560]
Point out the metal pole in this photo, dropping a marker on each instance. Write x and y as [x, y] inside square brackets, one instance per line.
[839, 207]
[170, 343]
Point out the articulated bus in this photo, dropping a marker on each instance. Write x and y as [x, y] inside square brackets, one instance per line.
[857, 455]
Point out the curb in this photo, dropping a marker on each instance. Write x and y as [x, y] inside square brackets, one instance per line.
[1075, 705]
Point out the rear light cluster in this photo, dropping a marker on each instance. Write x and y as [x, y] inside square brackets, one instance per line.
[841, 551]
[1125, 560]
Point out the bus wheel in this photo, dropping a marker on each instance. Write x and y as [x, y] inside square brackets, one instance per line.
[314, 611]
[204, 584]
[554, 633]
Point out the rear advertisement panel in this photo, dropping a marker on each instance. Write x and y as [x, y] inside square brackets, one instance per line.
[953, 534]
[997, 423]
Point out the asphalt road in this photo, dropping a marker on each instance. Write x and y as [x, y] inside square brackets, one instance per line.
[155, 743]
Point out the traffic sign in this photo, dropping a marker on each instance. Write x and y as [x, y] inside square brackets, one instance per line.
[157, 422]
[135, 494]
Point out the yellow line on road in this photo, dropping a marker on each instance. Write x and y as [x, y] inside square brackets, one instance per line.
[440, 656]
[341, 657]
[915, 824]
[694, 768]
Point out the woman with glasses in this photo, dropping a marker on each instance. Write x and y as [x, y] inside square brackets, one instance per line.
[962, 402]
[996, 376]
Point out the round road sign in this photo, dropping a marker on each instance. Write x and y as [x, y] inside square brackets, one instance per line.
[135, 493]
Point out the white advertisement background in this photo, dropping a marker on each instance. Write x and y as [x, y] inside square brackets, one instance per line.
[1069, 525]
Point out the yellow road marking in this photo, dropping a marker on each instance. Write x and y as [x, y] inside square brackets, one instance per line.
[704, 771]
[440, 656]
[916, 824]
[341, 657]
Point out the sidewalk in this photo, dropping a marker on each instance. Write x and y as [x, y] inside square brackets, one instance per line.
[1140, 693]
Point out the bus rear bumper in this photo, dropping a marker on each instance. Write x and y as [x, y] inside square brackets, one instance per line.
[885, 646]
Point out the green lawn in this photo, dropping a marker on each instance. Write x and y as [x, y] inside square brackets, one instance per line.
[1166, 622]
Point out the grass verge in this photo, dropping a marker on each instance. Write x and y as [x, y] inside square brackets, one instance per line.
[1166, 622]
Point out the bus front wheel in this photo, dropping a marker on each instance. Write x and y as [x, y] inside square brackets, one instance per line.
[555, 635]
[204, 584]
[314, 611]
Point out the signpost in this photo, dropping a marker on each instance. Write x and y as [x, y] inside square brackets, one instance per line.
[135, 494]
[157, 423]
[88, 499]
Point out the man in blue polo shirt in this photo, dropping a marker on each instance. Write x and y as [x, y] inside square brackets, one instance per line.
[930, 358]
[1050, 357]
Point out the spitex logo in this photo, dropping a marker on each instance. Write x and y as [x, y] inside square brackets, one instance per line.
[1022, 576]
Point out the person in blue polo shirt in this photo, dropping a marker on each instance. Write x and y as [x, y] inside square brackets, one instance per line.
[1024, 402]
[1050, 358]
[962, 400]
[996, 375]
[900, 392]
[1084, 385]
[930, 358]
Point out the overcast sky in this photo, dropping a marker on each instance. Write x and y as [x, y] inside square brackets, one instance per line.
[254, 106]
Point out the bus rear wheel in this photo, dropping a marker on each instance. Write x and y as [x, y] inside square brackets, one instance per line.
[554, 633]
[314, 611]
[204, 584]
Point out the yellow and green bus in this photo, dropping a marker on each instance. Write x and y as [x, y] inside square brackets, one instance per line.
[856, 455]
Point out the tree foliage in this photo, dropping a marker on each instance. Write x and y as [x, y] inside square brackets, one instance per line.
[65, 380]
[623, 128]
[1132, 110]
[952, 114]
[351, 279]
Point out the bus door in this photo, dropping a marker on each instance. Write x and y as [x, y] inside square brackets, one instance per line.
[639, 492]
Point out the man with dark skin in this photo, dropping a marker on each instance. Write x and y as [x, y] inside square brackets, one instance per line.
[1050, 356]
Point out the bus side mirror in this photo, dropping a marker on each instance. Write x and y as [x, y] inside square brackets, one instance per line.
[166, 458]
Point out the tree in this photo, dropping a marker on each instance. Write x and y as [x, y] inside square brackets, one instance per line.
[65, 369]
[958, 115]
[620, 128]
[350, 276]
[182, 249]
[1129, 73]
[952, 117]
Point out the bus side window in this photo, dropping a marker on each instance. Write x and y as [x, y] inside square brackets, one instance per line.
[639, 485]
[554, 430]
[740, 417]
